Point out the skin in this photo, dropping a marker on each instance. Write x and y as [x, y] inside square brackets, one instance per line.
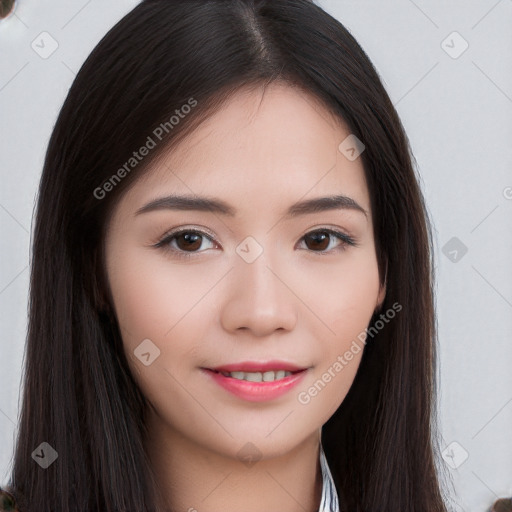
[298, 302]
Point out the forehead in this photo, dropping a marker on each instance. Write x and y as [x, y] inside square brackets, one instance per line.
[264, 149]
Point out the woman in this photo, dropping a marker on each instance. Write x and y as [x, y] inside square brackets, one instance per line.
[231, 301]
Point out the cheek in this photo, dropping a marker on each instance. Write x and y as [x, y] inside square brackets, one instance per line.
[138, 299]
[161, 302]
[341, 307]
[343, 296]
[152, 295]
[165, 303]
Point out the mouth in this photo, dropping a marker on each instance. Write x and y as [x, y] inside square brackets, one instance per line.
[269, 376]
[257, 382]
[253, 371]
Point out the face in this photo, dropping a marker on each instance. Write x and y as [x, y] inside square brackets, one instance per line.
[256, 281]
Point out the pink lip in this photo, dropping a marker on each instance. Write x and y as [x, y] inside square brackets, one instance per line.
[255, 391]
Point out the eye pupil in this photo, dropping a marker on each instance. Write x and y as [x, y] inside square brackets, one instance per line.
[191, 239]
[319, 236]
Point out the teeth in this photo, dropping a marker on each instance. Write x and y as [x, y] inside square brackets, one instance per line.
[258, 376]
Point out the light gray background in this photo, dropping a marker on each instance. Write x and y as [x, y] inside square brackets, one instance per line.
[458, 116]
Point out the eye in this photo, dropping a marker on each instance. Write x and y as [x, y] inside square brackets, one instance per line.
[320, 240]
[185, 242]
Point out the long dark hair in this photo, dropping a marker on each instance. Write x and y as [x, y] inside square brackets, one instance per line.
[78, 393]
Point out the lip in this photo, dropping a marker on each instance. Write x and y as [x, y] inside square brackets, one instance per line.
[256, 366]
[256, 391]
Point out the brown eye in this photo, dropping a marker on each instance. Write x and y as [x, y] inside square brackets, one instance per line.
[188, 241]
[319, 240]
[185, 242]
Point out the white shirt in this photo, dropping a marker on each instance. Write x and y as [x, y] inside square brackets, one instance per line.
[329, 501]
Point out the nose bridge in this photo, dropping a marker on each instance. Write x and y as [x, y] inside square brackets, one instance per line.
[259, 278]
[258, 298]
[257, 260]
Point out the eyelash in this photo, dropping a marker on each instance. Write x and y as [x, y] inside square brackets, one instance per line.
[164, 243]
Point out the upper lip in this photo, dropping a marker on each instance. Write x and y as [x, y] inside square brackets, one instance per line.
[256, 366]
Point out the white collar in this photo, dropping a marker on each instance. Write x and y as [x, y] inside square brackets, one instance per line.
[329, 501]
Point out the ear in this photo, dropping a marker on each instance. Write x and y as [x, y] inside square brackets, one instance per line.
[382, 292]
[381, 297]
[101, 300]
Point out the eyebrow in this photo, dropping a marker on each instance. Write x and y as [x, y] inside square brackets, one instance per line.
[214, 205]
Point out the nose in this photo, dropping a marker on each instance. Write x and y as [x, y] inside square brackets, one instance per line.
[259, 298]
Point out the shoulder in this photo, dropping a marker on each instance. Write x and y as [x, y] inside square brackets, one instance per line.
[7, 502]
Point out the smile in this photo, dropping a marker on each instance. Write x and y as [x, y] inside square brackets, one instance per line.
[256, 386]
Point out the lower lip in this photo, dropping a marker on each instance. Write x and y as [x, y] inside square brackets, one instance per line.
[256, 391]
